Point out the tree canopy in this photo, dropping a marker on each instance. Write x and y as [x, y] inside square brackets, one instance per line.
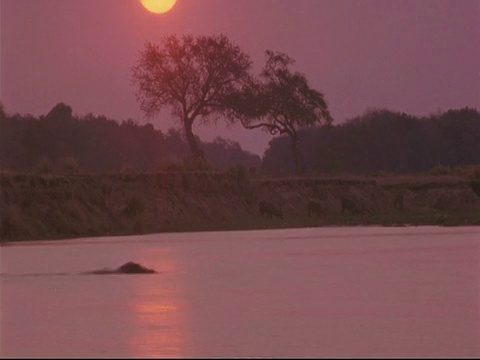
[281, 101]
[60, 140]
[193, 76]
[383, 140]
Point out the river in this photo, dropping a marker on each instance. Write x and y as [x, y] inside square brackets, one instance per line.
[312, 292]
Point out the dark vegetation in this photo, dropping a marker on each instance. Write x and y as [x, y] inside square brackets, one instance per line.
[204, 79]
[56, 206]
[383, 141]
[64, 143]
[378, 141]
[192, 76]
[67, 176]
[64, 175]
[281, 102]
[209, 78]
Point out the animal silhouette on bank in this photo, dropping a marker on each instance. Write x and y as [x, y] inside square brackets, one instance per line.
[268, 210]
[351, 206]
[314, 208]
[398, 201]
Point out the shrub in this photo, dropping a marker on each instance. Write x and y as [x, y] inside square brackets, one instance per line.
[69, 165]
[440, 170]
[476, 173]
[195, 164]
[238, 172]
[475, 185]
[44, 167]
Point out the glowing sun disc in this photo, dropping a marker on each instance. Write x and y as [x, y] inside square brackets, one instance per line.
[158, 6]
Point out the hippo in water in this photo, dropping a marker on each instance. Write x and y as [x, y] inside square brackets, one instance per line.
[127, 268]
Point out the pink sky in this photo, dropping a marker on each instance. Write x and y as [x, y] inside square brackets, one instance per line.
[417, 57]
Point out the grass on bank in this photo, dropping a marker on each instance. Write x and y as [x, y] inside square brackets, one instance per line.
[65, 205]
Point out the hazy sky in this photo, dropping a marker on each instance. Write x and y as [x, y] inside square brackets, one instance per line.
[416, 57]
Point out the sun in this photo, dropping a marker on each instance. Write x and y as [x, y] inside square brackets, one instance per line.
[158, 6]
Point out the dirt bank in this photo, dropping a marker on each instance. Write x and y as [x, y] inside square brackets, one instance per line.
[55, 206]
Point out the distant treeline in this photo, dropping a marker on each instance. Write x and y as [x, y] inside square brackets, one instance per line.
[379, 140]
[382, 140]
[60, 141]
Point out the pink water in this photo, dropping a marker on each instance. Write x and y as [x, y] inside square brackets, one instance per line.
[327, 292]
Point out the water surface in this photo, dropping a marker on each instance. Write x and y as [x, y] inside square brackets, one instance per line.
[323, 292]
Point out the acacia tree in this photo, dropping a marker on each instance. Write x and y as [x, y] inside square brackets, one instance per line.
[282, 102]
[192, 77]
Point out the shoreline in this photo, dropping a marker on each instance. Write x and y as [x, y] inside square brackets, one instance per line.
[114, 238]
[51, 207]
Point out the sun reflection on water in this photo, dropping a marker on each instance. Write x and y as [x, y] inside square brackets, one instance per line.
[160, 316]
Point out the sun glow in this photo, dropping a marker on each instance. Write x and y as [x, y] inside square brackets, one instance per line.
[158, 6]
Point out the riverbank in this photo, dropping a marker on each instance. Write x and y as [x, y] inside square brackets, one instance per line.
[38, 207]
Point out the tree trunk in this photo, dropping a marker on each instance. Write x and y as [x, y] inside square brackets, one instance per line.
[192, 142]
[296, 161]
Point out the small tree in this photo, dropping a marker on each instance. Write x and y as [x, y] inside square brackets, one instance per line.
[191, 76]
[281, 102]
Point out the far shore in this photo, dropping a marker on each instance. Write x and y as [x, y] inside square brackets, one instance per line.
[56, 206]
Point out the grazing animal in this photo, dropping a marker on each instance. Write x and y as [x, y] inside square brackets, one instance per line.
[314, 208]
[398, 201]
[268, 210]
[351, 206]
